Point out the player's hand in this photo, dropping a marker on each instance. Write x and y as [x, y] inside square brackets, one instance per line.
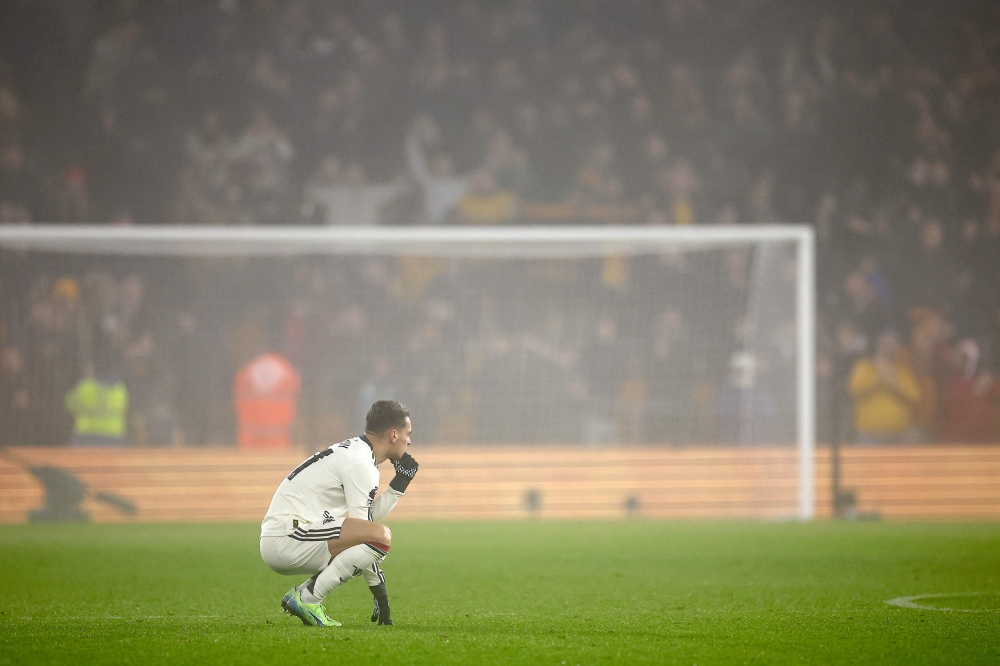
[380, 613]
[406, 469]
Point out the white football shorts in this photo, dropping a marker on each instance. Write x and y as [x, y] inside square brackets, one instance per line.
[304, 551]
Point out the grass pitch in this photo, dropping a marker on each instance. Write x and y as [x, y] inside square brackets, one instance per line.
[531, 592]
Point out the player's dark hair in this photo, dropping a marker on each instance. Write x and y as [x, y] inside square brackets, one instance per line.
[385, 414]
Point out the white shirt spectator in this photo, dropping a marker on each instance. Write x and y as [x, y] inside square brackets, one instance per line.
[441, 193]
[355, 205]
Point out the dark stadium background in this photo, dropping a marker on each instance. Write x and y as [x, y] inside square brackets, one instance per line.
[874, 122]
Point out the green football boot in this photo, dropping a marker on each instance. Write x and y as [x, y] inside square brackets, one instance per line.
[313, 615]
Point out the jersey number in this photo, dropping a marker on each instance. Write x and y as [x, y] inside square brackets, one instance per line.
[313, 458]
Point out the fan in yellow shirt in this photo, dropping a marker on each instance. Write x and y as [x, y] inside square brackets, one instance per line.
[484, 203]
[885, 391]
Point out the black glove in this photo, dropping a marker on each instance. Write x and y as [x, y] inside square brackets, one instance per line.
[406, 469]
[380, 613]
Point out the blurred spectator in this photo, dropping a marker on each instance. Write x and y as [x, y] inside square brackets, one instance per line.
[442, 188]
[378, 386]
[511, 165]
[869, 301]
[885, 392]
[15, 399]
[745, 411]
[14, 185]
[111, 55]
[927, 353]
[351, 200]
[99, 405]
[265, 393]
[74, 206]
[970, 399]
[484, 203]
[631, 405]
[597, 180]
[679, 184]
[261, 160]
[207, 192]
[606, 360]
[193, 396]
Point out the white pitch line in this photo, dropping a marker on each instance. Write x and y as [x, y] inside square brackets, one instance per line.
[910, 602]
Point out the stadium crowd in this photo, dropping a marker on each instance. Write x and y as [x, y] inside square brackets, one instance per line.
[877, 123]
[486, 351]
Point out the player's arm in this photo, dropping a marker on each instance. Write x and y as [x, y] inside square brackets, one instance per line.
[360, 485]
[406, 469]
[384, 503]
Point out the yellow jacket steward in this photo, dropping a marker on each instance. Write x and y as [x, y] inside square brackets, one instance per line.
[100, 408]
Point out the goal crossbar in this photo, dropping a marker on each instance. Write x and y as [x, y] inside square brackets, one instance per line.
[562, 241]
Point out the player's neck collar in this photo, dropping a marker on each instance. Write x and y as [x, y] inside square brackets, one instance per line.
[364, 438]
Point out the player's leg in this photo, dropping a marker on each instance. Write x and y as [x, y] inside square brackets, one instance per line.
[355, 532]
[350, 532]
[298, 555]
[361, 544]
[288, 555]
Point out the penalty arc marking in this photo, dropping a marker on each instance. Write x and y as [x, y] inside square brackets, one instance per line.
[911, 602]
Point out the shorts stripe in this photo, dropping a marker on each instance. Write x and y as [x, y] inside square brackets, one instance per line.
[322, 530]
[329, 535]
[316, 535]
[319, 538]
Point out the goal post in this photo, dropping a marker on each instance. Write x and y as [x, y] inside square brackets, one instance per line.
[778, 270]
[805, 314]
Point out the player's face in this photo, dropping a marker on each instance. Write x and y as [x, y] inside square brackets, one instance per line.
[398, 446]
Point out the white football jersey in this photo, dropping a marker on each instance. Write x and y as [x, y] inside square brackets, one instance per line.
[339, 481]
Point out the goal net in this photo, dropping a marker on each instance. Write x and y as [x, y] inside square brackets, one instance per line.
[575, 336]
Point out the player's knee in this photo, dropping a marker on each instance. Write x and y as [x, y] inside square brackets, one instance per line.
[382, 540]
[382, 537]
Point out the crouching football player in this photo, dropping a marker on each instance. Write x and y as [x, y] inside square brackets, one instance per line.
[323, 518]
